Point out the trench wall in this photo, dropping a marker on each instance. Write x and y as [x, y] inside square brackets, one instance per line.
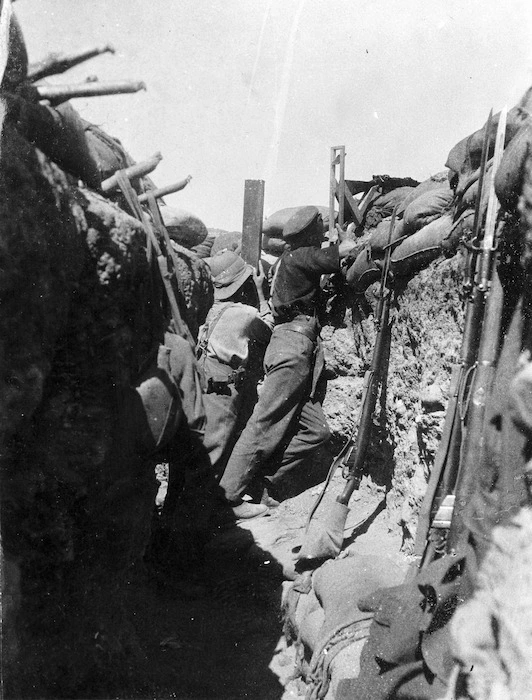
[425, 343]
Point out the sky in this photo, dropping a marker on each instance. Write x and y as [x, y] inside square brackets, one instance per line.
[261, 89]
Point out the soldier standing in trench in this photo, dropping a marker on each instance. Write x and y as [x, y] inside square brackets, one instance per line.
[288, 422]
[231, 347]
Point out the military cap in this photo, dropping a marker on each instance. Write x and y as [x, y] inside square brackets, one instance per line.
[305, 220]
[229, 272]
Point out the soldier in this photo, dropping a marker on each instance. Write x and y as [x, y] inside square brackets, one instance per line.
[288, 423]
[231, 348]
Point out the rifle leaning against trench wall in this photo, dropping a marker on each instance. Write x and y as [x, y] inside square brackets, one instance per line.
[324, 539]
[452, 475]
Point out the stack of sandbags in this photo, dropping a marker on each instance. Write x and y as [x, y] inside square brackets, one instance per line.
[383, 205]
[423, 220]
[323, 619]
[464, 158]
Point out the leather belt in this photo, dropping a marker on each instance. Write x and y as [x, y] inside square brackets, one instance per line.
[307, 326]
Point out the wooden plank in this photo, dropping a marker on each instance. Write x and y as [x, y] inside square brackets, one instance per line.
[252, 221]
[332, 192]
[341, 182]
[351, 203]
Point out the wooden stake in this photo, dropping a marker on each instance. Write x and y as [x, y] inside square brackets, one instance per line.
[252, 222]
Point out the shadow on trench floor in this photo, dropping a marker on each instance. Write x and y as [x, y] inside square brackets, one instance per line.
[212, 634]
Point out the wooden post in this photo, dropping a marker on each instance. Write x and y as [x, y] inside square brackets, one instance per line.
[337, 187]
[252, 223]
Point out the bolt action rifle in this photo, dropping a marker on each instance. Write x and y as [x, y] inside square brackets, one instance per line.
[323, 540]
[471, 377]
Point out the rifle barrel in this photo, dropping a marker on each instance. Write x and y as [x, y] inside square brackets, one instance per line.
[167, 189]
[56, 94]
[134, 171]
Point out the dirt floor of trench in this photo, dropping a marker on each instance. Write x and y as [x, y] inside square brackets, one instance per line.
[228, 643]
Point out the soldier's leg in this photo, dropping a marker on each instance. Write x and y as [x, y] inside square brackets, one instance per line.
[293, 471]
[222, 403]
[288, 362]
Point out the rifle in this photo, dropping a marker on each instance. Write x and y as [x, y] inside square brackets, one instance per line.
[385, 183]
[55, 94]
[161, 192]
[133, 172]
[56, 63]
[460, 426]
[445, 468]
[324, 540]
[490, 286]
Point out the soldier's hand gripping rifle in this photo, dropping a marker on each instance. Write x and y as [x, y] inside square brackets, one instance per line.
[323, 540]
[437, 507]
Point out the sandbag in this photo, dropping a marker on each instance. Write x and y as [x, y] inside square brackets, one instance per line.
[273, 246]
[364, 271]
[273, 225]
[229, 240]
[107, 151]
[434, 182]
[380, 237]
[203, 250]
[509, 176]
[183, 227]
[464, 157]
[383, 205]
[59, 133]
[426, 208]
[419, 250]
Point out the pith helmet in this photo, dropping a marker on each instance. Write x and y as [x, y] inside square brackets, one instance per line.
[228, 272]
[305, 220]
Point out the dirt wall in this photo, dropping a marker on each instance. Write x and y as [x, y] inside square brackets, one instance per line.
[427, 318]
[80, 317]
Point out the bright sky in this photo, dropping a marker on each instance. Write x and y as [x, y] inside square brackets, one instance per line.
[261, 89]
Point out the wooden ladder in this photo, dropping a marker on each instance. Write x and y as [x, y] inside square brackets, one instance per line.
[342, 191]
